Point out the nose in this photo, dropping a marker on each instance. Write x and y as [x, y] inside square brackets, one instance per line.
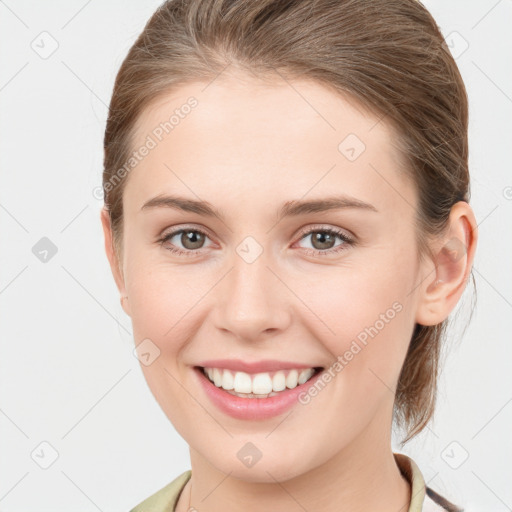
[252, 302]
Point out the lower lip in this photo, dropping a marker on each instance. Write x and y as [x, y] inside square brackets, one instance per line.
[253, 408]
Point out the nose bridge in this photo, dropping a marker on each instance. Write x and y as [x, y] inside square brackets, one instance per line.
[251, 304]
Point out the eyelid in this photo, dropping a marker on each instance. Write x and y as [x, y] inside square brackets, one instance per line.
[323, 227]
[174, 230]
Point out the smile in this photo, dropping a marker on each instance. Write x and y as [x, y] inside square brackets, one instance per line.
[241, 401]
[259, 385]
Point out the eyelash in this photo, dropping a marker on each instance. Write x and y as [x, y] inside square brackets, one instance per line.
[315, 229]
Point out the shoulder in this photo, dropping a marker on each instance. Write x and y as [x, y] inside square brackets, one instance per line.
[166, 498]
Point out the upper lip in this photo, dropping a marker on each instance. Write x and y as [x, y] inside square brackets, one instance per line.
[266, 365]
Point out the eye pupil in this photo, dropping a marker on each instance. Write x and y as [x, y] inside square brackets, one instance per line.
[321, 236]
[192, 239]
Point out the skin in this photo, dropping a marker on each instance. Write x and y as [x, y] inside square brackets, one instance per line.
[247, 148]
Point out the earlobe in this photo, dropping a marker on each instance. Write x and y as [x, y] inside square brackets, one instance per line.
[115, 265]
[442, 288]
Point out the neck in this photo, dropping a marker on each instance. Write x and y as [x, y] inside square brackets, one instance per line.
[362, 476]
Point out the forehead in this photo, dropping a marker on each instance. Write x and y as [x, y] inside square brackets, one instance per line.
[256, 139]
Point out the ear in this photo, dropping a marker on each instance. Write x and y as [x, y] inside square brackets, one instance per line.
[442, 288]
[115, 265]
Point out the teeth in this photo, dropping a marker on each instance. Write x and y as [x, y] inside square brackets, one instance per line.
[242, 383]
[279, 381]
[291, 379]
[304, 376]
[217, 377]
[251, 395]
[259, 385]
[228, 381]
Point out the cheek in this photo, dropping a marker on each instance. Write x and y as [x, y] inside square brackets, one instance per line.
[163, 296]
[364, 316]
[163, 303]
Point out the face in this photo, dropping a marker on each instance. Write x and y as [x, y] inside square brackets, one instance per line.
[329, 286]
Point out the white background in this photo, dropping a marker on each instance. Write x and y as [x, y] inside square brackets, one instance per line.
[67, 373]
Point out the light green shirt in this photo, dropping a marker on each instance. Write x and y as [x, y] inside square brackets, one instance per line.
[423, 499]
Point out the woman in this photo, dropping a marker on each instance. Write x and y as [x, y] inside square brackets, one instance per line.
[287, 221]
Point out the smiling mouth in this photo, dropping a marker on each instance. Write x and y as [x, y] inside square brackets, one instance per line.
[258, 385]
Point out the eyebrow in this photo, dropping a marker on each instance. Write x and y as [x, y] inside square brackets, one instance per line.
[289, 209]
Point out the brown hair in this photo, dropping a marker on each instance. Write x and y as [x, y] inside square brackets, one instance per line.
[388, 56]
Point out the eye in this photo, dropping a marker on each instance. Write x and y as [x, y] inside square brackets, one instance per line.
[192, 239]
[323, 240]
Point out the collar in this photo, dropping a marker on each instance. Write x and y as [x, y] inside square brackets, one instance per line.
[411, 472]
[166, 498]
